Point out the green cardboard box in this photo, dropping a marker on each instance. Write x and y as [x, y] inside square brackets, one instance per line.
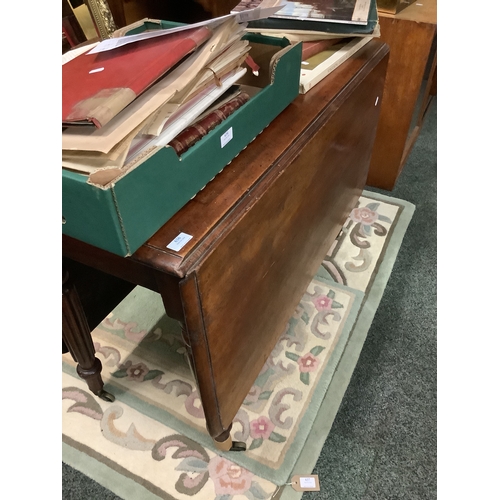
[122, 215]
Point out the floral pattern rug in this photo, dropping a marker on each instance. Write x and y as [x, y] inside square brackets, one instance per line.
[151, 442]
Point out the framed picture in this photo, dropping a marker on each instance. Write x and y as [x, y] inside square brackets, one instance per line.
[336, 11]
[102, 17]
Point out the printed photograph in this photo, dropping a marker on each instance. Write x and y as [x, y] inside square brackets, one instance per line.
[321, 10]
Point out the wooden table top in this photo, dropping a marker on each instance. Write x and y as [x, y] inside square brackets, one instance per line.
[228, 191]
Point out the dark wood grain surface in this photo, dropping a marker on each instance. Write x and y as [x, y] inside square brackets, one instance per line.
[250, 281]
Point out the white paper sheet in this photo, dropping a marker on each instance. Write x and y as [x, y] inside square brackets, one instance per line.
[241, 17]
[186, 115]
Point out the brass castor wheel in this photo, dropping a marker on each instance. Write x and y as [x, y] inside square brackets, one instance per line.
[230, 445]
[106, 396]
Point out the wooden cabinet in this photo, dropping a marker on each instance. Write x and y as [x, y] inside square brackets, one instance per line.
[393, 6]
[411, 36]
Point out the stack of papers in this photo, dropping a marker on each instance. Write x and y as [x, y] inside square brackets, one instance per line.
[128, 95]
[331, 31]
[320, 19]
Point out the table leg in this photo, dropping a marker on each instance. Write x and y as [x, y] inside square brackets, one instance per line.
[224, 441]
[168, 287]
[77, 338]
[189, 350]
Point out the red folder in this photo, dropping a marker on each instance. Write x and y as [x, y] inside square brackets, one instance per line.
[96, 87]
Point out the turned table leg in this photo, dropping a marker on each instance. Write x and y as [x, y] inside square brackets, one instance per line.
[77, 338]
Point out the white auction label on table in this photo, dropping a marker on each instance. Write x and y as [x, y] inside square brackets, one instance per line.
[177, 243]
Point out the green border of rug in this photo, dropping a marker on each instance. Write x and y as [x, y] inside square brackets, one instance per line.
[106, 476]
[340, 381]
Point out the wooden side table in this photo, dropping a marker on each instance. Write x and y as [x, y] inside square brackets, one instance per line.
[410, 35]
[260, 230]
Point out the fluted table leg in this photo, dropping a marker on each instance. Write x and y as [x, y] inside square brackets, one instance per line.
[77, 338]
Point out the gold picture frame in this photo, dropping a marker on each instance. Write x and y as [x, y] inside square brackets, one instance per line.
[102, 18]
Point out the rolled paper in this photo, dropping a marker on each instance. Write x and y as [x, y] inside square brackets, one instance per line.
[252, 64]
